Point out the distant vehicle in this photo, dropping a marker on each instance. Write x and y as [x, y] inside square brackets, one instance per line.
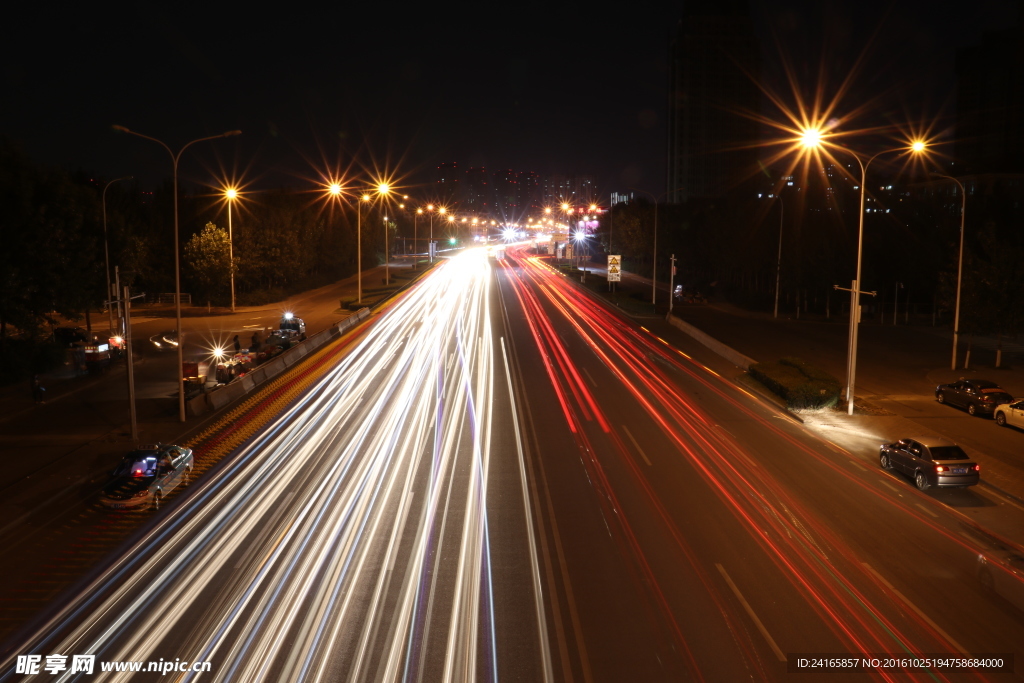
[147, 474]
[976, 395]
[165, 340]
[930, 461]
[290, 322]
[1001, 571]
[1011, 414]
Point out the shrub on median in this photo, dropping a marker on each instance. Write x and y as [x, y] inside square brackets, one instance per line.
[800, 384]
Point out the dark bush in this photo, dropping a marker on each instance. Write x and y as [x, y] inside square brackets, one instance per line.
[800, 384]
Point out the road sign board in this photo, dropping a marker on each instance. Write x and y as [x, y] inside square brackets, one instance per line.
[614, 268]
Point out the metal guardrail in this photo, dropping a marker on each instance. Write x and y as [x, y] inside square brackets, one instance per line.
[228, 393]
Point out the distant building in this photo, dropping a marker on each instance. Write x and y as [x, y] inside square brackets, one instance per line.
[448, 186]
[990, 102]
[476, 193]
[714, 64]
[506, 193]
[529, 188]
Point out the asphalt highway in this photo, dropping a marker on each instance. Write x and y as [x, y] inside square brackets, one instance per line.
[506, 480]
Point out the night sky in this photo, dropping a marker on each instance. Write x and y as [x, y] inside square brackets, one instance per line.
[502, 85]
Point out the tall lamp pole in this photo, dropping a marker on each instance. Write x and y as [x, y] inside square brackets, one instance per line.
[778, 266]
[177, 255]
[812, 138]
[415, 239]
[106, 251]
[231, 194]
[960, 263]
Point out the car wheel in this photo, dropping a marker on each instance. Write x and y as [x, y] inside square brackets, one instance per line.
[940, 397]
[1000, 419]
[921, 481]
[883, 460]
[972, 409]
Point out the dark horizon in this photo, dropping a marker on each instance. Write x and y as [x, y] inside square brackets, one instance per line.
[561, 94]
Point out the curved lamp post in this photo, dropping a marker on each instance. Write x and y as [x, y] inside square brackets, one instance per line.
[960, 263]
[231, 194]
[177, 256]
[813, 138]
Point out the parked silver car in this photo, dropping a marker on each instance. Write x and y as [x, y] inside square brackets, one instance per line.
[930, 461]
[146, 475]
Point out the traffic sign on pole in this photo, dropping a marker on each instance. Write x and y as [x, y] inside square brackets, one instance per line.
[614, 268]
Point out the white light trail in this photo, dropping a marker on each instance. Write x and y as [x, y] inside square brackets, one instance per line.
[351, 539]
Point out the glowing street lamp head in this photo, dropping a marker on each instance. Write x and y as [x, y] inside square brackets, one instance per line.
[441, 210]
[593, 207]
[383, 188]
[231, 193]
[565, 207]
[366, 197]
[430, 207]
[810, 137]
[918, 146]
[547, 209]
[419, 211]
[335, 189]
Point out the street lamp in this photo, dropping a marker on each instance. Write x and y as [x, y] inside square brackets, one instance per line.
[960, 262]
[415, 239]
[778, 266]
[106, 252]
[813, 138]
[384, 190]
[177, 255]
[231, 194]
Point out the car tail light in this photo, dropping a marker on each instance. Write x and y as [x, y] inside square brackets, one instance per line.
[977, 468]
[940, 468]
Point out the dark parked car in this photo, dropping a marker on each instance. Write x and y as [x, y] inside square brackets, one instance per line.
[146, 475]
[977, 395]
[930, 461]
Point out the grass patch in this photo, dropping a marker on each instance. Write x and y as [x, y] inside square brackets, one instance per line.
[800, 385]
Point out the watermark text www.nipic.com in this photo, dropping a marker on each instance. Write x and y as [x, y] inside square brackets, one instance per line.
[86, 664]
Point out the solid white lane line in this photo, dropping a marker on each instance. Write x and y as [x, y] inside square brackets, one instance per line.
[750, 613]
[914, 607]
[636, 445]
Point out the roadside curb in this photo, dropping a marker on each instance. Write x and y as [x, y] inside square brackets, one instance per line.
[767, 400]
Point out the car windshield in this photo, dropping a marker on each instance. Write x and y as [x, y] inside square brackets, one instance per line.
[948, 453]
[137, 465]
